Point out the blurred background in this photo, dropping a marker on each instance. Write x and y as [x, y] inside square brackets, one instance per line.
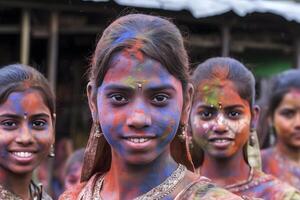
[58, 37]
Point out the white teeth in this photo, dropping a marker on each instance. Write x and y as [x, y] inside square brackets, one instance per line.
[220, 140]
[138, 140]
[23, 154]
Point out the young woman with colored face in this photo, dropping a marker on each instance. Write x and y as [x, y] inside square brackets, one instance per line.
[283, 160]
[27, 115]
[222, 119]
[139, 97]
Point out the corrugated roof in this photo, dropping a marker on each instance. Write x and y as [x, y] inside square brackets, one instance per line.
[206, 8]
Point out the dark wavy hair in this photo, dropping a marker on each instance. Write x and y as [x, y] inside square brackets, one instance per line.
[19, 77]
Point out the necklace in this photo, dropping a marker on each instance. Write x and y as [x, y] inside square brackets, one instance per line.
[236, 186]
[159, 192]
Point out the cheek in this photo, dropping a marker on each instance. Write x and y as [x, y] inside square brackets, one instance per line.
[167, 122]
[239, 127]
[5, 140]
[112, 122]
[282, 125]
[199, 128]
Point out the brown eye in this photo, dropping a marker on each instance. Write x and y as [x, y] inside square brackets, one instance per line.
[206, 114]
[288, 113]
[9, 124]
[39, 124]
[118, 99]
[234, 114]
[160, 99]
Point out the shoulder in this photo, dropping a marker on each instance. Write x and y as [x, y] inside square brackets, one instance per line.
[277, 188]
[72, 193]
[205, 190]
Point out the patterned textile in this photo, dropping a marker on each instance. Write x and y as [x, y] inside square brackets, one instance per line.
[8, 195]
[267, 187]
[201, 189]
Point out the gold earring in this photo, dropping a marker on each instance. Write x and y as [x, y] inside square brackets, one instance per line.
[183, 134]
[97, 132]
[51, 152]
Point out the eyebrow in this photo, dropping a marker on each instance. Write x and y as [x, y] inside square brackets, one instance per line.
[151, 87]
[204, 105]
[20, 116]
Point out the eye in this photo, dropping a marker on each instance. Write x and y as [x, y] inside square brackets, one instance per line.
[39, 124]
[160, 99]
[233, 114]
[288, 113]
[9, 124]
[118, 99]
[206, 114]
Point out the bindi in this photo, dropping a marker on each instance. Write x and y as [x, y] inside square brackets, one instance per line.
[140, 86]
[25, 115]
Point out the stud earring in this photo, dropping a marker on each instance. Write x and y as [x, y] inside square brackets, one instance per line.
[51, 152]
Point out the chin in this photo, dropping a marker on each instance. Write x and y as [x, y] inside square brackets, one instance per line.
[22, 170]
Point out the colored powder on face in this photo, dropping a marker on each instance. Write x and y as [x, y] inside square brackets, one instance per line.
[125, 36]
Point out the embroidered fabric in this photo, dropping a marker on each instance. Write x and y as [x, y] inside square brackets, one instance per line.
[159, 192]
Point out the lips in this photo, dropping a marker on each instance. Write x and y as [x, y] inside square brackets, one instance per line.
[138, 140]
[220, 142]
[23, 156]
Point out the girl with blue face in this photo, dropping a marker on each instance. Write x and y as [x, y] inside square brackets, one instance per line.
[27, 115]
[139, 97]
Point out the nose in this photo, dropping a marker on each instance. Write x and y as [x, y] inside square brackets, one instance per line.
[25, 136]
[220, 125]
[139, 119]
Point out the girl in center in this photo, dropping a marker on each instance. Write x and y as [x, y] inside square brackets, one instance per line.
[139, 97]
[223, 120]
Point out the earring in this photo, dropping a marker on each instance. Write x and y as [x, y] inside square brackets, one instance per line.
[253, 150]
[51, 152]
[97, 132]
[190, 142]
[183, 134]
[252, 139]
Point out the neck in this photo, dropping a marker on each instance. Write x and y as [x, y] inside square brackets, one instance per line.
[225, 171]
[16, 183]
[288, 152]
[127, 181]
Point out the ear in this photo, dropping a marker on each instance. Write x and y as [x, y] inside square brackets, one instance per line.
[187, 103]
[255, 116]
[92, 99]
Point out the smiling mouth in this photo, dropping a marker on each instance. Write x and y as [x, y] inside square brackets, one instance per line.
[219, 140]
[22, 154]
[138, 140]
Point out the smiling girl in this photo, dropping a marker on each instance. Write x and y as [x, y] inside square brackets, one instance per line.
[139, 97]
[223, 118]
[27, 115]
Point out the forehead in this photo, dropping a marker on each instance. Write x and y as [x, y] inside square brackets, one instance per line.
[131, 67]
[27, 101]
[215, 91]
[291, 98]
